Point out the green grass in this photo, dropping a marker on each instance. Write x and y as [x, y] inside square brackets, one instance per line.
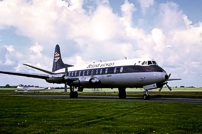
[129, 94]
[48, 115]
[135, 89]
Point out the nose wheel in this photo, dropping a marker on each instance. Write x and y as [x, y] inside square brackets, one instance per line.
[146, 96]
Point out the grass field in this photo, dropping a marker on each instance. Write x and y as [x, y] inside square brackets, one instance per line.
[131, 94]
[135, 89]
[48, 115]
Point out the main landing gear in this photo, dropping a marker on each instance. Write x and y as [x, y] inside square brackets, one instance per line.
[146, 96]
[73, 94]
[122, 93]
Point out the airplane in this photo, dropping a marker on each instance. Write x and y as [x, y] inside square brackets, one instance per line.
[121, 74]
[30, 88]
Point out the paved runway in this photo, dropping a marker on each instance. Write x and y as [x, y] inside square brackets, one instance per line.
[152, 99]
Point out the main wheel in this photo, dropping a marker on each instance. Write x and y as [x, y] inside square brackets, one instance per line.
[122, 93]
[73, 94]
[144, 96]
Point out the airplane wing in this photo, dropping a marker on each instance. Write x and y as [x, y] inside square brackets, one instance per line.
[40, 76]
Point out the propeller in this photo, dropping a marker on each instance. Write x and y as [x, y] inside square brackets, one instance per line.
[166, 83]
[168, 86]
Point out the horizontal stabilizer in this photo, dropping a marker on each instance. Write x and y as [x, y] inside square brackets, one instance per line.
[39, 69]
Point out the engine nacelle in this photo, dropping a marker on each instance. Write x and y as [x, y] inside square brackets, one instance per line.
[86, 82]
[55, 80]
[94, 81]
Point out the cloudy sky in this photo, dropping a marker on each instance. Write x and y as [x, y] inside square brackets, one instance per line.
[91, 30]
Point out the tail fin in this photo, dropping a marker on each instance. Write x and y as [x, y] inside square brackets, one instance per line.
[57, 60]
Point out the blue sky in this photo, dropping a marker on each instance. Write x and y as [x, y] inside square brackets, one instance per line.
[168, 31]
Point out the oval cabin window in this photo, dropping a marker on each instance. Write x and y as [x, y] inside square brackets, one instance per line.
[100, 71]
[115, 70]
[121, 69]
[106, 70]
[97, 71]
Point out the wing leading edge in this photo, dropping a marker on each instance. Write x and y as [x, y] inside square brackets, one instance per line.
[40, 76]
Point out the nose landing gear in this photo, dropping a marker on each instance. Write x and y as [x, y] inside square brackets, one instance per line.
[146, 96]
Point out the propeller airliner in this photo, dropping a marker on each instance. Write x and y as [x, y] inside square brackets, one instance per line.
[121, 74]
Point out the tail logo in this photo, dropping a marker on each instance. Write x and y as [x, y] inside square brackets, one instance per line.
[57, 56]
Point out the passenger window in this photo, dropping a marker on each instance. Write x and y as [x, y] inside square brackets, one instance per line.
[106, 70]
[83, 73]
[92, 72]
[69, 73]
[79, 73]
[87, 72]
[75, 73]
[97, 71]
[100, 71]
[121, 69]
[115, 70]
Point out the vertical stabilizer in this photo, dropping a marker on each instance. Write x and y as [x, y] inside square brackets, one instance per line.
[57, 60]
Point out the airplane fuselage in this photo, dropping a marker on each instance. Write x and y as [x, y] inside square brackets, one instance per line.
[114, 74]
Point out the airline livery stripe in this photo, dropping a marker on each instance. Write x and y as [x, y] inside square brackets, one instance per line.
[117, 69]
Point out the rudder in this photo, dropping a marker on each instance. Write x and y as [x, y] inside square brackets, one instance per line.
[57, 59]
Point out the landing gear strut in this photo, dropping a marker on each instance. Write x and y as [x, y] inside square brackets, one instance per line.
[122, 93]
[146, 96]
[73, 94]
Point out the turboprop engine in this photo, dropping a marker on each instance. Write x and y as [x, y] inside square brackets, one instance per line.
[55, 79]
[86, 82]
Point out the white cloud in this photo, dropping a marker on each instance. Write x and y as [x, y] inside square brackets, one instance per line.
[8, 62]
[36, 48]
[127, 10]
[145, 4]
[170, 17]
[10, 48]
[102, 35]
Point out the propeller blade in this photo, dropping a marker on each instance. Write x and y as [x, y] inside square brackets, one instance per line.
[169, 75]
[168, 87]
[160, 89]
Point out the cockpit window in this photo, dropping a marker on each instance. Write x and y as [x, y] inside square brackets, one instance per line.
[149, 63]
[154, 62]
[145, 63]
